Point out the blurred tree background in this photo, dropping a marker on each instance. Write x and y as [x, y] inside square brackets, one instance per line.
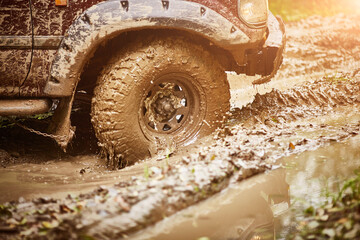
[292, 10]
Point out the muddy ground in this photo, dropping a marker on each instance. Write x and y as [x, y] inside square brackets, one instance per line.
[320, 77]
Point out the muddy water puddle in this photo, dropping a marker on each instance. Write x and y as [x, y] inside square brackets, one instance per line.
[46, 179]
[312, 175]
[242, 211]
[261, 207]
[258, 207]
[61, 177]
[58, 178]
[267, 205]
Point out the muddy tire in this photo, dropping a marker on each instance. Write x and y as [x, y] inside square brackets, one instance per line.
[157, 93]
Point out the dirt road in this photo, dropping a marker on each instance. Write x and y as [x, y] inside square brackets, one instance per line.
[255, 138]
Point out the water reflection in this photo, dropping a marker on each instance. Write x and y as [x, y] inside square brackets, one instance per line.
[311, 175]
[245, 210]
[57, 179]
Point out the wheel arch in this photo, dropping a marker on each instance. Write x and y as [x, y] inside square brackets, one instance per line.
[112, 18]
[104, 53]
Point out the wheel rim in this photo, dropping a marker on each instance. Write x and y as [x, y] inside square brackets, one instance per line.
[171, 106]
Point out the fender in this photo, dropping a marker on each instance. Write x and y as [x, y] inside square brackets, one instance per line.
[110, 18]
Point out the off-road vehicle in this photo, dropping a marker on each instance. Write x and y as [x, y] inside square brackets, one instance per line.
[152, 70]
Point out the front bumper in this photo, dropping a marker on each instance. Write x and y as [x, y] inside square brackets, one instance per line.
[268, 59]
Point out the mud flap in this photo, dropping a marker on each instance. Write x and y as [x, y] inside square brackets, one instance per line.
[273, 49]
[61, 124]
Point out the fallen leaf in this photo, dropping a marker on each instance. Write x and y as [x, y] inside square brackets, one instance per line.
[324, 218]
[342, 220]
[329, 232]
[291, 146]
[348, 224]
[124, 205]
[65, 209]
[313, 224]
[12, 221]
[320, 212]
[351, 234]
[23, 221]
[47, 224]
[28, 232]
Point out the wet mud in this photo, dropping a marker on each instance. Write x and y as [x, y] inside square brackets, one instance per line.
[241, 211]
[274, 125]
[316, 46]
[308, 99]
[270, 205]
[322, 45]
[236, 152]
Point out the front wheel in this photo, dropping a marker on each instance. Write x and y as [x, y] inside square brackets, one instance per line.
[157, 93]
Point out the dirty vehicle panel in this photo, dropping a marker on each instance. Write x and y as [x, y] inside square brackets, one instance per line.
[15, 45]
[50, 23]
[32, 35]
[61, 43]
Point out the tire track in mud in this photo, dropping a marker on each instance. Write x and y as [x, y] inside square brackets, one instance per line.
[248, 145]
[321, 44]
[310, 99]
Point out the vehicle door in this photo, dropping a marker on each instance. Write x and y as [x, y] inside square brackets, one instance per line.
[51, 20]
[15, 45]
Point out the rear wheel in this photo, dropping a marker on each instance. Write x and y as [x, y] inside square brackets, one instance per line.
[158, 93]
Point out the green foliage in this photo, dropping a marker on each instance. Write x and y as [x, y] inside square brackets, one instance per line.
[10, 121]
[86, 237]
[337, 78]
[42, 116]
[338, 219]
[6, 122]
[147, 172]
[5, 211]
[293, 10]
[350, 189]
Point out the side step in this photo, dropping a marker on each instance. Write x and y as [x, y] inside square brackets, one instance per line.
[24, 107]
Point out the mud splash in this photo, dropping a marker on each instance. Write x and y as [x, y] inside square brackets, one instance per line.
[268, 206]
[275, 125]
[236, 152]
[316, 46]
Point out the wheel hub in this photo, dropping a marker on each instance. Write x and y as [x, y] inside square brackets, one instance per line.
[165, 107]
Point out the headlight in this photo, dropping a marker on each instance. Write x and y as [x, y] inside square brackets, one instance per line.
[254, 11]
